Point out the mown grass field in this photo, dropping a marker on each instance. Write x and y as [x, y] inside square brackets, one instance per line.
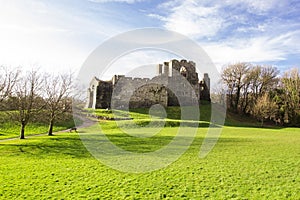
[246, 163]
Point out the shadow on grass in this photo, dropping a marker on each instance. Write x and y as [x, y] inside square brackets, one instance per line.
[168, 123]
[56, 146]
[233, 120]
[236, 120]
[144, 145]
[235, 140]
[70, 146]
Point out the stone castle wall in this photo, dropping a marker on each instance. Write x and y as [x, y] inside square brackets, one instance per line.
[176, 81]
[137, 92]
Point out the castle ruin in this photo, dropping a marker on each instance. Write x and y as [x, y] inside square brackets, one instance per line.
[176, 83]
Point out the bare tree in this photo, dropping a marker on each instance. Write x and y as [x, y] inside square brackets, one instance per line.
[291, 87]
[26, 93]
[251, 88]
[8, 79]
[268, 79]
[251, 78]
[264, 108]
[57, 96]
[233, 76]
[259, 80]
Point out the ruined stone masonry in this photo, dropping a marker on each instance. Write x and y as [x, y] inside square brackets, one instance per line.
[176, 83]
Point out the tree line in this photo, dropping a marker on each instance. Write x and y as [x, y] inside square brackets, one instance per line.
[28, 93]
[262, 92]
[253, 90]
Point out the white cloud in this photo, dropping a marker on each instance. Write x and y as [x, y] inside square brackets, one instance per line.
[256, 6]
[191, 19]
[258, 49]
[52, 34]
[156, 16]
[205, 19]
[234, 30]
[120, 1]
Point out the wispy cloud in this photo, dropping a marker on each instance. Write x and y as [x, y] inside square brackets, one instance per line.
[191, 18]
[120, 1]
[256, 6]
[234, 30]
[56, 33]
[255, 50]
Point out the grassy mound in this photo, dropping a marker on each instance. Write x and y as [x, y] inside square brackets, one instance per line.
[173, 119]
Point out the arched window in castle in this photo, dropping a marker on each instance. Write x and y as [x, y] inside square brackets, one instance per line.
[183, 71]
[201, 85]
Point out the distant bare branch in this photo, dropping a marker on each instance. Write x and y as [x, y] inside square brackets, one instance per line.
[8, 79]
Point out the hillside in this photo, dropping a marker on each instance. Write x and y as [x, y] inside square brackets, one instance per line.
[173, 114]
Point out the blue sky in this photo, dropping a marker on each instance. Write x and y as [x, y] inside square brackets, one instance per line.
[60, 34]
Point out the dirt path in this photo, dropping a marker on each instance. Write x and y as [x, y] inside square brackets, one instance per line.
[86, 123]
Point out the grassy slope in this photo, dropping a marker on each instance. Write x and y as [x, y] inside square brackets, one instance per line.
[173, 115]
[246, 163]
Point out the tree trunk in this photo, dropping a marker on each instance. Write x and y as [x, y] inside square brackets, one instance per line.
[237, 98]
[50, 130]
[231, 105]
[22, 132]
[246, 103]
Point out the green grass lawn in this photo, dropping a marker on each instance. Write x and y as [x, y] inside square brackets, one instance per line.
[246, 163]
[11, 129]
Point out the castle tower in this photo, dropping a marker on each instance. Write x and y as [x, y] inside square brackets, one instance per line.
[206, 80]
[204, 87]
[159, 69]
[166, 68]
[116, 78]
